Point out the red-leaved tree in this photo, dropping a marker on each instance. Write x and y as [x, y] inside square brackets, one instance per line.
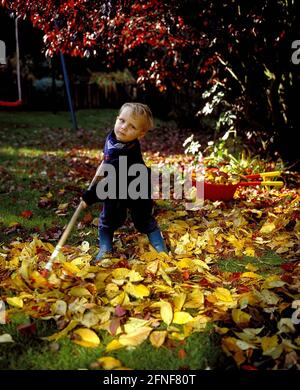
[237, 53]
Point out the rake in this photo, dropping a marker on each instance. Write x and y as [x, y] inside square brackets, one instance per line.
[70, 225]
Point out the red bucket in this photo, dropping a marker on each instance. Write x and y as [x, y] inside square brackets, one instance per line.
[219, 191]
[226, 191]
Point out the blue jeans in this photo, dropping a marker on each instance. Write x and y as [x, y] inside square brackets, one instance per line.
[114, 214]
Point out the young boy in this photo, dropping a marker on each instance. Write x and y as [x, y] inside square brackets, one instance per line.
[122, 145]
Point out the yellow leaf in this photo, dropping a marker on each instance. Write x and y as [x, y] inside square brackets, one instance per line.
[161, 288]
[223, 294]
[79, 292]
[120, 273]
[90, 318]
[182, 317]
[221, 330]
[134, 323]
[198, 324]
[27, 264]
[111, 290]
[269, 297]
[86, 338]
[119, 299]
[63, 332]
[38, 280]
[165, 276]
[85, 246]
[95, 221]
[237, 243]
[267, 228]
[166, 312]
[229, 344]
[137, 291]
[249, 251]
[285, 325]
[81, 261]
[73, 269]
[59, 307]
[15, 302]
[271, 347]
[195, 300]
[104, 315]
[273, 281]
[113, 345]
[6, 338]
[178, 301]
[244, 345]
[152, 267]
[157, 338]
[201, 264]
[268, 343]
[240, 318]
[109, 363]
[251, 267]
[186, 263]
[149, 256]
[63, 206]
[135, 276]
[135, 338]
[251, 275]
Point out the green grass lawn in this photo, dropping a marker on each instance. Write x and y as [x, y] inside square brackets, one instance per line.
[31, 352]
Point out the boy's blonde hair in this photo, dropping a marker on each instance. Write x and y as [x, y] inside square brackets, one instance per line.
[139, 109]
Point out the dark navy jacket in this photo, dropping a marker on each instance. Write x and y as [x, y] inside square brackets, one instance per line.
[113, 149]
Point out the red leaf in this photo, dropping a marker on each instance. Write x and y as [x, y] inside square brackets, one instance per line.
[243, 289]
[289, 266]
[113, 326]
[26, 214]
[204, 283]
[119, 311]
[248, 367]
[235, 276]
[27, 329]
[287, 278]
[181, 354]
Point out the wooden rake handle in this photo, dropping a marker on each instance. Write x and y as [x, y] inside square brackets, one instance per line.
[72, 222]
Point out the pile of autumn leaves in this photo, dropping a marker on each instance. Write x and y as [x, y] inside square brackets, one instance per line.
[161, 297]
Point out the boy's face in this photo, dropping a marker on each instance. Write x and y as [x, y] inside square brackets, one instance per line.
[129, 127]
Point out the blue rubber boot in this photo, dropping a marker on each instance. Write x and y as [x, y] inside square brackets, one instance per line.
[157, 241]
[105, 242]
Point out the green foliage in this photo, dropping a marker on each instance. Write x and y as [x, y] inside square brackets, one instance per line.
[193, 147]
[230, 154]
[268, 263]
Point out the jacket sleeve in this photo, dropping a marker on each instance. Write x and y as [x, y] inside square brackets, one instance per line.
[90, 196]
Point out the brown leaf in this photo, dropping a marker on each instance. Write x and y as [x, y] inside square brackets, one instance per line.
[88, 218]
